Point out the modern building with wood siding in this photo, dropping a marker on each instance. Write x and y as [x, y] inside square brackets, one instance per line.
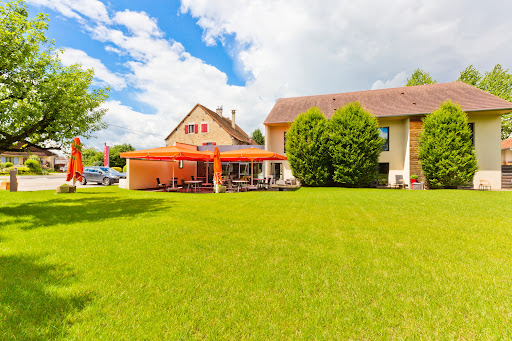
[400, 112]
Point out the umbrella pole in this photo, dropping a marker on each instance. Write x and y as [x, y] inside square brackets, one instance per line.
[172, 173]
[252, 171]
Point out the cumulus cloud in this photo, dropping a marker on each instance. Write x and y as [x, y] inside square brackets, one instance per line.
[76, 9]
[102, 74]
[288, 49]
[399, 80]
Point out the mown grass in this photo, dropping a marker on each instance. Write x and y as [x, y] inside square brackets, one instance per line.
[329, 263]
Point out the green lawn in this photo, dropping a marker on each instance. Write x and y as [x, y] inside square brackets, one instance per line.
[330, 263]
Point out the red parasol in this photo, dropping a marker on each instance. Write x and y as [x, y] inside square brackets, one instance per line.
[75, 167]
[217, 169]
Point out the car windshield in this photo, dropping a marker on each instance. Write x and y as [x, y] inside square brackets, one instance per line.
[108, 170]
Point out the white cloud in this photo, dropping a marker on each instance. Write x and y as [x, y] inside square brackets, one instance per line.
[289, 49]
[399, 80]
[101, 72]
[139, 23]
[76, 9]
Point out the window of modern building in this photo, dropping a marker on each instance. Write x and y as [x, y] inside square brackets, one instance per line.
[384, 133]
[284, 144]
[472, 128]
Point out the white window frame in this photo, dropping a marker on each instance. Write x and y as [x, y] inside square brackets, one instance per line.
[193, 128]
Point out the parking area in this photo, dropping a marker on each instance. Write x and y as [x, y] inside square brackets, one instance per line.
[45, 182]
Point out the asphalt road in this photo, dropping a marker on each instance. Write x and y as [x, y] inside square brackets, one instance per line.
[44, 182]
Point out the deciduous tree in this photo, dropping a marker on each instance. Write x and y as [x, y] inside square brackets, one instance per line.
[420, 77]
[41, 101]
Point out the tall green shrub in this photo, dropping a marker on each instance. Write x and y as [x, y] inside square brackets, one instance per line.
[446, 150]
[307, 148]
[33, 165]
[355, 146]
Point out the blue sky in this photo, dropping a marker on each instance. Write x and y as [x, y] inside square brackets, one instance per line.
[160, 57]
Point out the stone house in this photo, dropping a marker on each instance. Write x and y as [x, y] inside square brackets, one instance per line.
[400, 112]
[202, 126]
[18, 158]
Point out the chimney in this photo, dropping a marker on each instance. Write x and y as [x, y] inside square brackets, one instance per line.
[233, 118]
[219, 111]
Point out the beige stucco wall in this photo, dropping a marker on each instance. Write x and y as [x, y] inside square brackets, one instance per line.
[397, 155]
[487, 129]
[488, 148]
[274, 141]
[215, 132]
[22, 157]
[142, 174]
[506, 156]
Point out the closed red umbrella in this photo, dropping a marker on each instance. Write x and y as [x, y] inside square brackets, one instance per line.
[75, 167]
[217, 169]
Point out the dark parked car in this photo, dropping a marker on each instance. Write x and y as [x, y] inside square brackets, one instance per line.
[102, 175]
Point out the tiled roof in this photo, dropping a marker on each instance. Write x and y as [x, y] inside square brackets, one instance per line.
[506, 144]
[224, 122]
[28, 151]
[404, 101]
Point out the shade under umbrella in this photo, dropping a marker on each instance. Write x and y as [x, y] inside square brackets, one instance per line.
[251, 154]
[75, 166]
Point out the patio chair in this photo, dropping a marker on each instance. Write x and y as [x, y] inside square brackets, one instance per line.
[399, 181]
[484, 185]
[268, 183]
[159, 184]
[229, 186]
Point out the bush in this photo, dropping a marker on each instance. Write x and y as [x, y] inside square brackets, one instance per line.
[24, 169]
[98, 163]
[119, 169]
[355, 146]
[8, 164]
[124, 168]
[307, 148]
[446, 150]
[33, 165]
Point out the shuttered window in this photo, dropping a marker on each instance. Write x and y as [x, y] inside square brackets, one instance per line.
[204, 127]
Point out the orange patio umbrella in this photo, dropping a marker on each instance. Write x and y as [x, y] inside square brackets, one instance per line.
[251, 154]
[217, 169]
[170, 153]
[75, 167]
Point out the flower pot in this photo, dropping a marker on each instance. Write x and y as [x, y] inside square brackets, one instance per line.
[413, 181]
[6, 185]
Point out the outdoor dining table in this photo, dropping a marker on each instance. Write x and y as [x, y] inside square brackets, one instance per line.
[175, 184]
[194, 184]
[240, 183]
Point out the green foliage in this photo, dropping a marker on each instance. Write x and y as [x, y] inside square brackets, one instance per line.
[119, 169]
[414, 176]
[98, 163]
[28, 169]
[470, 76]
[258, 137]
[33, 165]
[41, 101]
[497, 82]
[420, 77]
[91, 155]
[115, 151]
[125, 168]
[446, 151]
[355, 146]
[307, 148]
[8, 164]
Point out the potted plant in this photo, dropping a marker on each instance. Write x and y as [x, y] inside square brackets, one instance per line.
[66, 189]
[414, 179]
